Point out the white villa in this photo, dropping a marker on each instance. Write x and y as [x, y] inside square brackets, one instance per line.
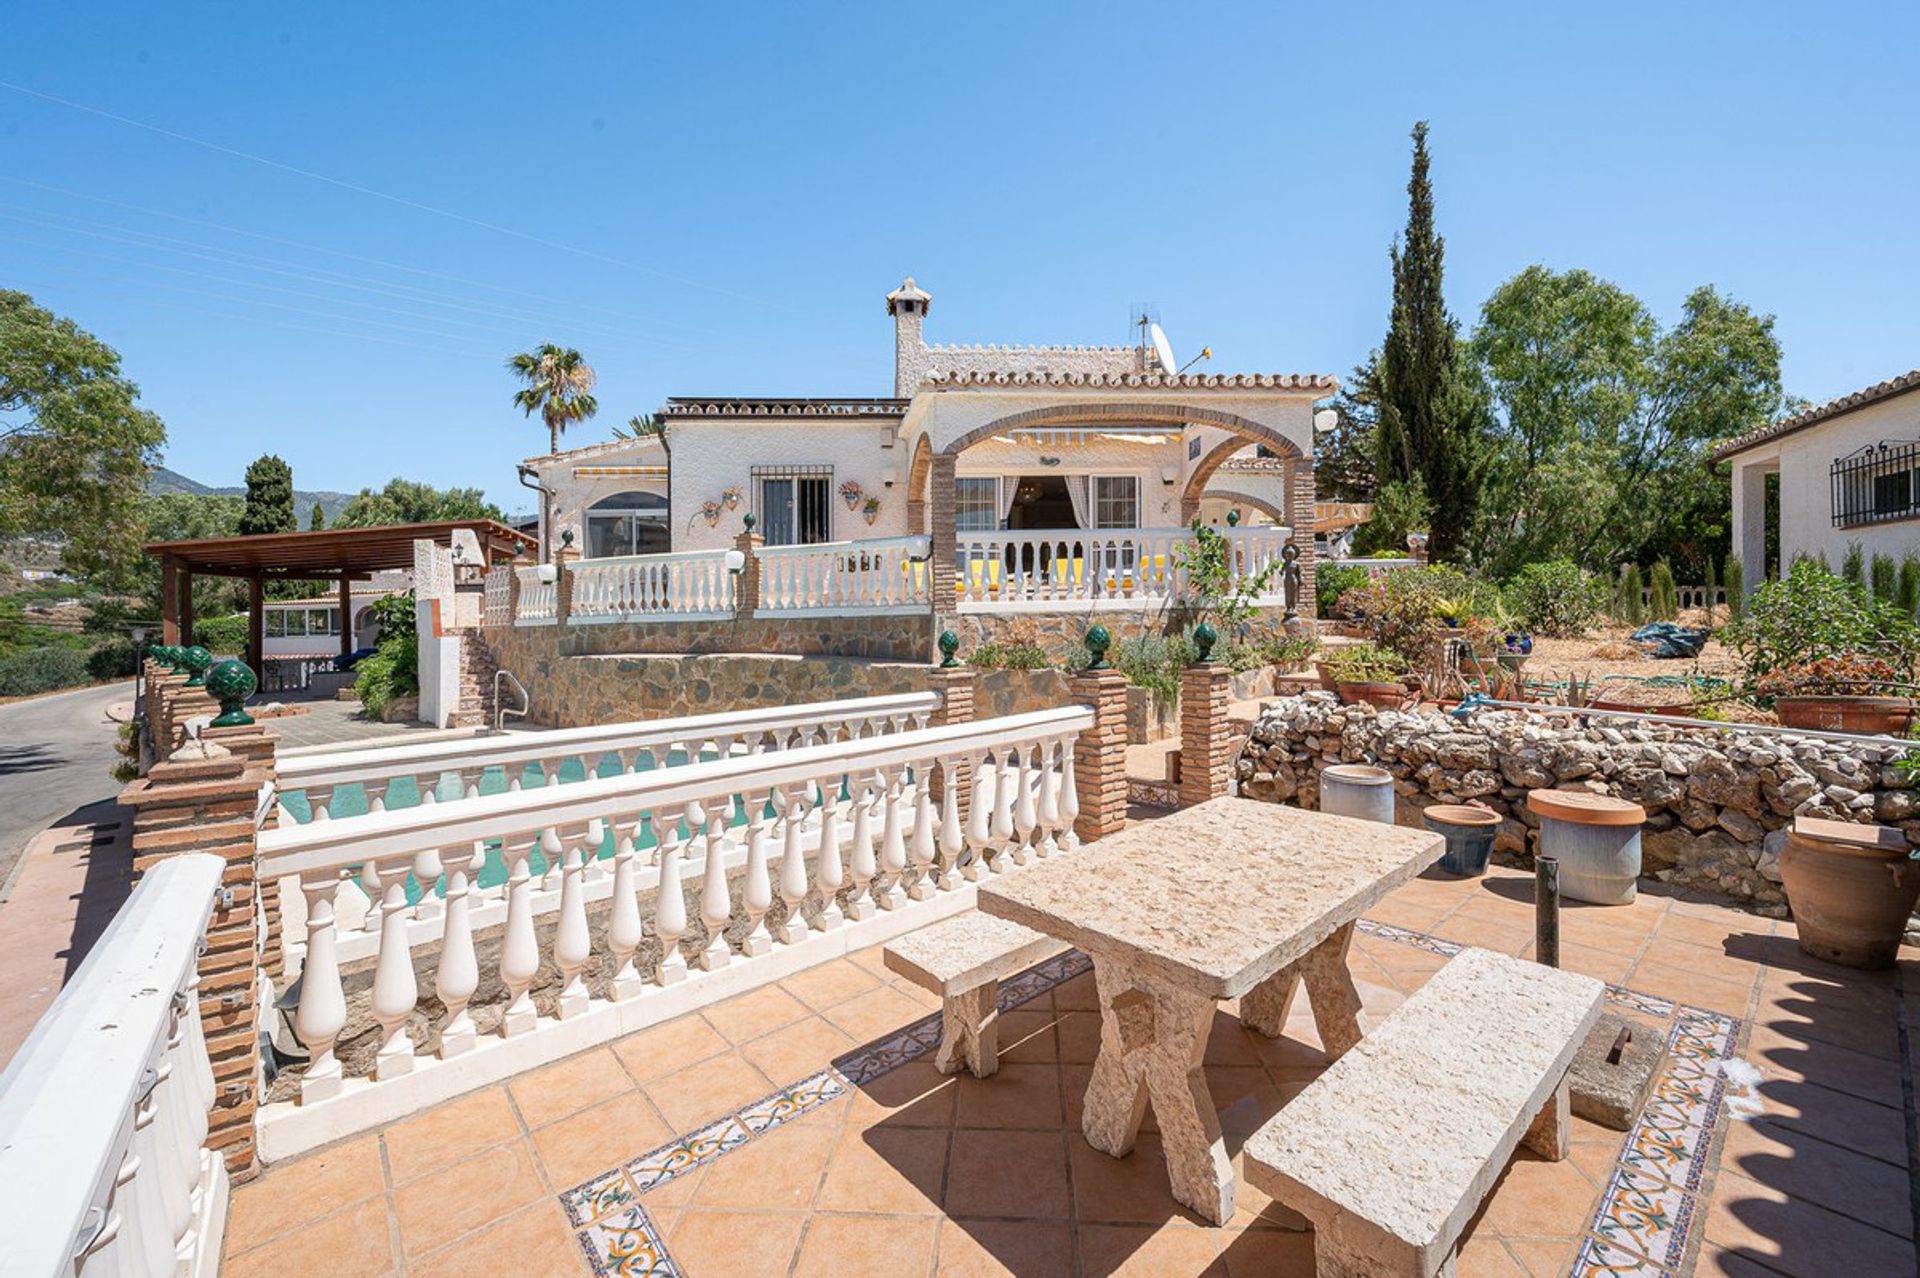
[1846, 471]
[311, 627]
[1007, 460]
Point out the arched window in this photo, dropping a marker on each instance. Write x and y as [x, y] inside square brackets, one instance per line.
[631, 523]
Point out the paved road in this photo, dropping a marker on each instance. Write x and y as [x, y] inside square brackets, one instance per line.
[55, 756]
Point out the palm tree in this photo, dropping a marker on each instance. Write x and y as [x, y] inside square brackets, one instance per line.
[559, 386]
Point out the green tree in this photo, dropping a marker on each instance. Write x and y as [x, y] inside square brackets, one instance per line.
[1886, 578]
[1343, 457]
[558, 386]
[317, 519]
[75, 446]
[134, 586]
[1666, 599]
[1602, 421]
[403, 501]
[1854, 565]
[1734, 579]
[269, 498]
[1633, 608]
[1429, 408]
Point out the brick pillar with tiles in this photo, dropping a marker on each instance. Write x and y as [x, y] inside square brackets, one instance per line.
[746, 586]
[941, 576]
[205, 798]
[955, 686]
[563, 561]
[1300, 515]
[1100, 754]
[1206, 761]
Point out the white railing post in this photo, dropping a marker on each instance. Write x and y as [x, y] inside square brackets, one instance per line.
[716, 903]
[624, 931]
[519, 949]
[322, 1013]
[459, 974]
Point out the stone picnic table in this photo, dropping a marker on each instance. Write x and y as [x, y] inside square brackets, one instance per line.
[1229, 899]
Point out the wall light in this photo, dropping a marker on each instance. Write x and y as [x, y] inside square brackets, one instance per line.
[1168, 475]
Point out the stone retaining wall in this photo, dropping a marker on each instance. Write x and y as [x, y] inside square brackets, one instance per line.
[1718, 803]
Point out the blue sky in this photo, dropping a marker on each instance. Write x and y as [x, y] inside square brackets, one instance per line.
[714, 199]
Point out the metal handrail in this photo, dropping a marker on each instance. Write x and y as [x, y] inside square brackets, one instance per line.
[500, 711]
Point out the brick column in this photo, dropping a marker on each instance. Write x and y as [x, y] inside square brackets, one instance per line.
[1206, 761]
[940, 572]
[955, 686]
[255, 745]
[203, 799]
[746, 587]
[1300, 517]
[563, 561]
[1100, 754]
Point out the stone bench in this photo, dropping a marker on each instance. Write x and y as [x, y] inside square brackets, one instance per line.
[962, 959]
[1391, 1150]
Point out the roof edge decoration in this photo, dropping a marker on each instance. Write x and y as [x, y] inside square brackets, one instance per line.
[744, 406]
[591, 450]
[959, 348]
[1173, 381]
[1814, 416]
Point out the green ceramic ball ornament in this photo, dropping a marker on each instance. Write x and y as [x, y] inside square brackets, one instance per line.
[195, 662]
[1204, 637]
[1098, 641]
[230, 683]
[949, 644]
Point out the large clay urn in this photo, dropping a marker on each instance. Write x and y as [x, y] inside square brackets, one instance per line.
[1851, 888]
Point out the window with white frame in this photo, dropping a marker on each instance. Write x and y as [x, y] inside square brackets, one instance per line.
[794, 504]
[976, 504]
[630, 523]
[1116, 501]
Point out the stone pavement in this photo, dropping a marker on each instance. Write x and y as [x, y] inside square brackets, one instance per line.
[336, 723]
[723, 1142]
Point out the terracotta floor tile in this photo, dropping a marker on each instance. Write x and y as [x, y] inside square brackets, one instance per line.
[1126, 1251]
[575, 1150]
[1501, 937]
[757, 1012]
[873, 959]
[450, 1132]
[1015, 1096]
[734, 1242]
[1231, 1043]
[1538, 1199]
[1266, 1253]
[1715, 931]
[438, 1208]
[1706, 960]
[802, 1048]
[305, 1189]
[1684, 985]
[830, 983]
[875, 1014]
[1792, 1057]
[914, 1095]
[566, 1087]
[1131, 1190]
[1019, 1175]
[673, 1194]
[1860, 1017]
[1813, 1171]
[840, 1246]
[1003, 1249]
[1595, 930]
[701, 1093]
[1717, 1262]
[1079, 1037]
[779, 1172]
[1601, 965]
[1027, 1037]
[663, 1049]
[534, 1243]
[892, 1171]
[356, 1244]
[1837, 1118]
[1415, 916]
[1773, 1224]
[1485, 1256]
[1077, 995]
[1542, 1258]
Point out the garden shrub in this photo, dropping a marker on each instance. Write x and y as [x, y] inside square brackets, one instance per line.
[1734, 578]
[1365, 663]
[1810, 615]
[1854, 566]
[1666, 599]
[1632, 609]
[1332, 580]
[114, 659]
[1558, 599]
[1409, 609]
[1907, 594]
[1885, 576]
[222, 636]
[394, 668]
[42, 670]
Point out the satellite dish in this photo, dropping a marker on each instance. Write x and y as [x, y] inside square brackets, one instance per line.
[1162, 350]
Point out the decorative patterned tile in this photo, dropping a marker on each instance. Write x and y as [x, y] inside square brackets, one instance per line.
[1407, 936]
[677, 1156]
[1668, 1143]
[1646, 1216]
[864, 1064]
[627, 1246]
[1634, 1001]
[598, 1197]
[790, 1102]
[1603, 1260]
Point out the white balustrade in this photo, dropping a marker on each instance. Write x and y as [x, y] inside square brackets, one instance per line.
[539, 595]
[103, 1110]
[877, 575]
[497, 602]
[695, 585]
[782, 870]
[1051, 568]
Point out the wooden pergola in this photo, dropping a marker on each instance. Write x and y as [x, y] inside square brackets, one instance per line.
[344, 555]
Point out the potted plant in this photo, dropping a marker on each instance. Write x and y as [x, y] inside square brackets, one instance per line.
[1511, 651]
[850, 492]
[1365, 672]
[871, 509]
[1856, 692]
[1469, 831]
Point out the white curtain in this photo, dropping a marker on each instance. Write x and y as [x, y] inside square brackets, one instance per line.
[1009, 489]
[1080, 493]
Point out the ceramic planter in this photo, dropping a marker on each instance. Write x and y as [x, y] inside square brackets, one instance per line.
[1851, 889]
[1357, 790]
[1469, 833]
[1873, 716]
[1595, 838]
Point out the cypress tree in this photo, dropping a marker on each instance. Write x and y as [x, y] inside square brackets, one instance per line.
[1886, 577]
[1666, 600]
[1429, 411]
[318, 519]
[1734, 578]
[269, 498]
[1907, 594]
[1630, 594]
[1854, 566]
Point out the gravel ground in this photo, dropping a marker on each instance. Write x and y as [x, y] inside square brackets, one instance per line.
[1619, 668]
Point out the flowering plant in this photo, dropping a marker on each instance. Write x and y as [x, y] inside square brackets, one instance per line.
[1850, 674]
[850, 493]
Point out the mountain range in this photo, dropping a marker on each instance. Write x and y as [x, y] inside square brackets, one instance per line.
[163, 481]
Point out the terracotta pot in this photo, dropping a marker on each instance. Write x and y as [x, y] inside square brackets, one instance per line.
[1469, 833]
[1326, 675]
[1387, 696]
[1877, 716]
[1851, 888]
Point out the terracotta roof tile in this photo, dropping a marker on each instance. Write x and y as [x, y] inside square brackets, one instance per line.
[1814, 416]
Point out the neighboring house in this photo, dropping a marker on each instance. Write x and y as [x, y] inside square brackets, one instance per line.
[311, 627]
[1847, 471]
[993, 452]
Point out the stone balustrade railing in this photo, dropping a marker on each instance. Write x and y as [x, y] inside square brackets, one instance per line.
[879, 574]
[365, 778]
[687, 585]
[497, 598]
[539, 595]
[103, 1112]
[1055, 568]
[864, 850]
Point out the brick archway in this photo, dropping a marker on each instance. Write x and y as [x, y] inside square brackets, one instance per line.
[919, 473]
[1260, 504]
[1250, 431]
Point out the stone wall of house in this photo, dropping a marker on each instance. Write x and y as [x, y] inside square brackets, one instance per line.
[899, 638]
[1718, 804]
